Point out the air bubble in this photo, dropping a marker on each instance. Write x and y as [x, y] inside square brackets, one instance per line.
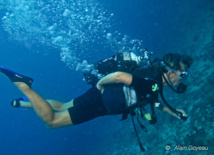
[69, 26]
[109, 36]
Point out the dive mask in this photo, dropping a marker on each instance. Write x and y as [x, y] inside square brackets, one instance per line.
[183, 75]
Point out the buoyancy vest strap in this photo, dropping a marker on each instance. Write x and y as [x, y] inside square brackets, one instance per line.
[141, 125]
[154, 116]
[124, 116]
[141, 113]
[140, 144]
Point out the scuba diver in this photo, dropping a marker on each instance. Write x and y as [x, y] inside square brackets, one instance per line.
[120, 89]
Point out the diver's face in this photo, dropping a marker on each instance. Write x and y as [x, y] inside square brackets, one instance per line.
[174, 77]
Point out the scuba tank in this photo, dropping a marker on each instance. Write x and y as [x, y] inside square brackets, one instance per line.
[122, 61]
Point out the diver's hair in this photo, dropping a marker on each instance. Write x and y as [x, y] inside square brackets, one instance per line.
[173, 60]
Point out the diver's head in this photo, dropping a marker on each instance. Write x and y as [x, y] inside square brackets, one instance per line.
[175, 68]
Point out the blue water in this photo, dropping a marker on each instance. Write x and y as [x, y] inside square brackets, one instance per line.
[31, 45]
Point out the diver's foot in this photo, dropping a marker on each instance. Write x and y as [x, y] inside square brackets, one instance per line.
[17, 78]
[17, 102]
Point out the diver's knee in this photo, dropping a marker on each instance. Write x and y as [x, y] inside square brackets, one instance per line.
[68, 105]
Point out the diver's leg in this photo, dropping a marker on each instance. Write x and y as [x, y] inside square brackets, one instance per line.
[41, 106]
[59, 106]
[55, 105]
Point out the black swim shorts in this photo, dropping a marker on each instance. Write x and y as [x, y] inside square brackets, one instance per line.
[87, 107]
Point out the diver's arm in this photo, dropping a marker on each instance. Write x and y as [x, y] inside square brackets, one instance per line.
[166, 109]
[116, 77]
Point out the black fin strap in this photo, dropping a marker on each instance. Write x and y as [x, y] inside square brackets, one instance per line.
[140, 144]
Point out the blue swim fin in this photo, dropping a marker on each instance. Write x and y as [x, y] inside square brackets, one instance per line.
[16, 77]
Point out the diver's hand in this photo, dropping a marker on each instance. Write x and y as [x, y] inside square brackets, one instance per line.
[183, 113]
[99, 87]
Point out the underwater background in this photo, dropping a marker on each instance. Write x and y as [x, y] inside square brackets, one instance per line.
[47, 40]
